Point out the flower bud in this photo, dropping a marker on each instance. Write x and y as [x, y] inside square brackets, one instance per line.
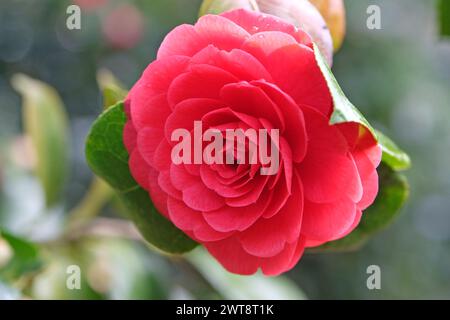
[219, 6]
[333, 11]
[300, 13]
[304, 15]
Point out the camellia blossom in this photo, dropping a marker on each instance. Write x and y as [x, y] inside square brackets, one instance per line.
[244, 69]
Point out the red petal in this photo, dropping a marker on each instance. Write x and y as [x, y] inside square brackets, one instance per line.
[367, 161]
[188, 111]
[158, 196]
[180, 177]
[295, 131]
[221, 32]
[232, 219]
[267, 237]
[370, 186]
[183, 40]
[248, 99]
[328, 172]
[251, 197]
[163, 157]
[148, 141]
[282, 262]
[355, 223]
[298, 253]
[238, 62]
[358, 136]
[149, 111]
[326, 222]
[313, 243]
[129, 136]
[241, 64]
[139, 169]
[199, 197]
[294, 69]
[202, 81]
[230, 254]
[158, 76]
[189, 220]
[262, 44]
[212, 180]
[166, 185]
[182, 216]
[279, 199]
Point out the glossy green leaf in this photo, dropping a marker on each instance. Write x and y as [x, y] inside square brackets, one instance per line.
[393, 156]
[345, 111]
[108, 158]
[394, 191]
[25, 257]
[444, 17]
[45, 122]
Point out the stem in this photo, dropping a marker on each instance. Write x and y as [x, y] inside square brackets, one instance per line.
[107, 227]
[98, 194]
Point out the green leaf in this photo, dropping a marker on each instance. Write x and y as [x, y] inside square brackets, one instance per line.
[45, 122]
[25, 257]
[345, 111]
[444, 17]
[108, 158]
[393, 156]
[394, 191]
[232, 286]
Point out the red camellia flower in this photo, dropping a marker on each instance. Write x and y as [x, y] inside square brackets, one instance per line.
[244, 69]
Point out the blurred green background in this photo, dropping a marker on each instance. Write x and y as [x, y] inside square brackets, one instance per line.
[398, 76]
